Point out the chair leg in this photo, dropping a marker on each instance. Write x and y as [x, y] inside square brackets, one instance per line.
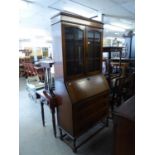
[42, 113]
[61, 136]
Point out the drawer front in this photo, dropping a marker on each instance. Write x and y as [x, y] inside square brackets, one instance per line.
[86, 124]
[92, 107]
[90, 112]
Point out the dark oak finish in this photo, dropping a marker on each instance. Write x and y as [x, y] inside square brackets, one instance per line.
[80, 99]
[86, 87]
[124, 128]
[78, 114]
[77, 47]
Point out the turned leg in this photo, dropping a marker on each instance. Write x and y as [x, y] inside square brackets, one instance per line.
[53, 121]
[42, 113]
[61, 136]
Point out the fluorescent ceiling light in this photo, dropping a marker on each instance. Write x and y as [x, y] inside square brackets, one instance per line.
[114, 28]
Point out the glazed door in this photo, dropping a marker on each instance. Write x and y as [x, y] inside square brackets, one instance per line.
[74, 51]
[93, 50]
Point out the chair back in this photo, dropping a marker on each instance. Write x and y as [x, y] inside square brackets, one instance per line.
[118, 90]
[32, 69]
[129, 86]
[123, 89]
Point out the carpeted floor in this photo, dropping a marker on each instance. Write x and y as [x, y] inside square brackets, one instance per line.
[34, 139]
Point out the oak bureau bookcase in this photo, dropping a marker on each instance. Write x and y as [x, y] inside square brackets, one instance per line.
[84, 91]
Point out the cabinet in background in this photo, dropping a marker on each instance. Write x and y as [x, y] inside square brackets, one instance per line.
[124, 128]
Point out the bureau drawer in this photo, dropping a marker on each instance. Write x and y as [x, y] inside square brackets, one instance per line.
[91, 106]
[88, 113]
[91, 110]
[82, 125]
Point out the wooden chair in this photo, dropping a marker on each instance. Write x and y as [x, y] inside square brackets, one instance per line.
[32, 69]
[26, 69]
[123, 88]
[129, 86]
[117, 92]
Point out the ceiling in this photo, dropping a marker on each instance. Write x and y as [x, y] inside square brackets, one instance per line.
[34, 17]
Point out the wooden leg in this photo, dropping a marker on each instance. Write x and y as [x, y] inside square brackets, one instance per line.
[53, 121]
[42, 113]
[61, 137]
[107, 121]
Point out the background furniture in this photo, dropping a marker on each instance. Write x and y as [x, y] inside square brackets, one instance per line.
[30, 69]
[33, 84]
[52, 101]
[109, 66]
[49, 79]
[21, 70]
[118, 92]
[122, 89]
[77, 47]
[124, 128]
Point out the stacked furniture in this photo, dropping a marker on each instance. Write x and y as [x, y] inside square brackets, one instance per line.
[82, 88]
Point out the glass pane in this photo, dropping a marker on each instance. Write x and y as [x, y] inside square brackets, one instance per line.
[97, 50]
[79, 49]
[90, 44]
[90, 66]
[69, 35]
[69, 43]
[97, 36]
[70, 68]
[90, 36]
[79, 68]
[90, 50]
[97, 65]
[79, 34]
[74, 50]
[94, 51]
[97, 43]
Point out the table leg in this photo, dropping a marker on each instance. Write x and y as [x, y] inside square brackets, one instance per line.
[53, 121]
[42, 113]
[61, 137]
